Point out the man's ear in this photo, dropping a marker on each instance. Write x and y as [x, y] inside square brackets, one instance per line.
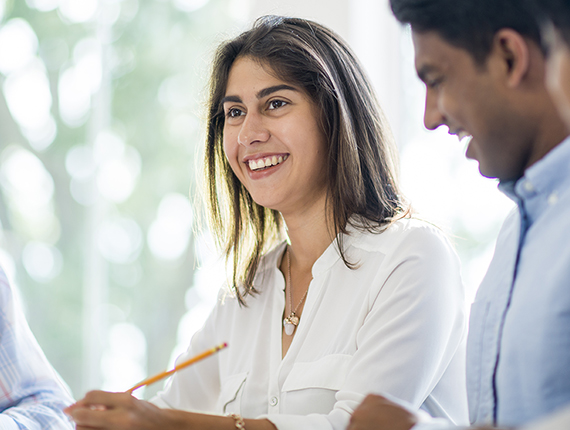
[513, 50]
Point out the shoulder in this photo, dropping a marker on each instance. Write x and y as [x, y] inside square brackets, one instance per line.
[4, 284]
[411, 260]
[404, 235]
[409, 254]
[5, 291]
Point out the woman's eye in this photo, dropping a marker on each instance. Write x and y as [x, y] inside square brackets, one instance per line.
[276, 104]
[234, 113]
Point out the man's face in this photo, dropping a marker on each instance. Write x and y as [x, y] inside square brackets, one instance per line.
[473, 100]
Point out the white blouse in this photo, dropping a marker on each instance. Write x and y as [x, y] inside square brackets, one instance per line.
[395, 325]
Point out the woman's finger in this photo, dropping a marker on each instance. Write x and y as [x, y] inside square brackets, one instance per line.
[89, 417]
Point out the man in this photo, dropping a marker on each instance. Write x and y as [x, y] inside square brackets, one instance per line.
[31, 393]
[484, 72]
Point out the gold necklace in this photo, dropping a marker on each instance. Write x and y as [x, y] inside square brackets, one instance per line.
[291, 322]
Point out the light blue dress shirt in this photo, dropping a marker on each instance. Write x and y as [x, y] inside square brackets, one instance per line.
[518, 353]
[32, 396]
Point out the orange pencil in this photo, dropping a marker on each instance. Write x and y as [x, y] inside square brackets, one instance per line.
[182, 365]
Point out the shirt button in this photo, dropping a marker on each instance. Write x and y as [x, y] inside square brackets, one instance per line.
[528, 186]
[552, 199]
[273, 401]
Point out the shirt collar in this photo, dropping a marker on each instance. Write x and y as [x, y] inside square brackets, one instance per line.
[542, 183]
[327, 259]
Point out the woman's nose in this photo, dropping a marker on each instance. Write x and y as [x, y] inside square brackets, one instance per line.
[253, 130]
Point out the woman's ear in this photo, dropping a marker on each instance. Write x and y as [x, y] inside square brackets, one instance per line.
[514, 51]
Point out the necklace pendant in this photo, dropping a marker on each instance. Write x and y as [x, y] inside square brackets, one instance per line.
[289, 327]
[294, 319]
[290, 323]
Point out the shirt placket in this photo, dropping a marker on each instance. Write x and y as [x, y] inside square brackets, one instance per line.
[276, 364]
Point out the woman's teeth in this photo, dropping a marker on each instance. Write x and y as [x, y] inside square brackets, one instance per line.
[262, 163]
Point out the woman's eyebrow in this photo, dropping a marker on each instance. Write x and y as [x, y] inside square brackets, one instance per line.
[234, 99]
[266, 91]
[261, 93]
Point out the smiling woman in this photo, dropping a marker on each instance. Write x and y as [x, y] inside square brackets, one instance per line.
[335, 291]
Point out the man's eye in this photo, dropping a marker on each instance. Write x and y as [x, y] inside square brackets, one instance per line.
[433, 83]
[276, 104]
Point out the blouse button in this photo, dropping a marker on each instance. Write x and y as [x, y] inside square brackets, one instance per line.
[273, 401]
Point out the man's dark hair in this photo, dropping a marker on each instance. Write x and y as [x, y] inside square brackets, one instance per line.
[468, 24]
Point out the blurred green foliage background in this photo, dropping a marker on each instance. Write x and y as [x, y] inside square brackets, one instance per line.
[100, 139]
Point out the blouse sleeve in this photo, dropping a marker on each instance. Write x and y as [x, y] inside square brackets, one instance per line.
[413, 333]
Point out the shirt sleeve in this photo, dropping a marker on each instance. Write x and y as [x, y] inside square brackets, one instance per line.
[412, 335]
[32, 395]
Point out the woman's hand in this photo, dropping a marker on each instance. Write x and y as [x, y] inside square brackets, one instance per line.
[103, 410]
[122, 411]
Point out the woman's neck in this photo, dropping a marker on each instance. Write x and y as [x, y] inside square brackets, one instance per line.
[310, 234]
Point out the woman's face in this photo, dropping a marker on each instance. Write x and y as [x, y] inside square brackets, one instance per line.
[558, 74]
[272, 139]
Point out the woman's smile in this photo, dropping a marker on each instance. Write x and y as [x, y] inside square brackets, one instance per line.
[265, 162]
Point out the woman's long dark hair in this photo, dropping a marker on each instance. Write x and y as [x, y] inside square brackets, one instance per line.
[362, 186]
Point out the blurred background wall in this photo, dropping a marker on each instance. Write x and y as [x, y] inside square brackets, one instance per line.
[101, 130]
